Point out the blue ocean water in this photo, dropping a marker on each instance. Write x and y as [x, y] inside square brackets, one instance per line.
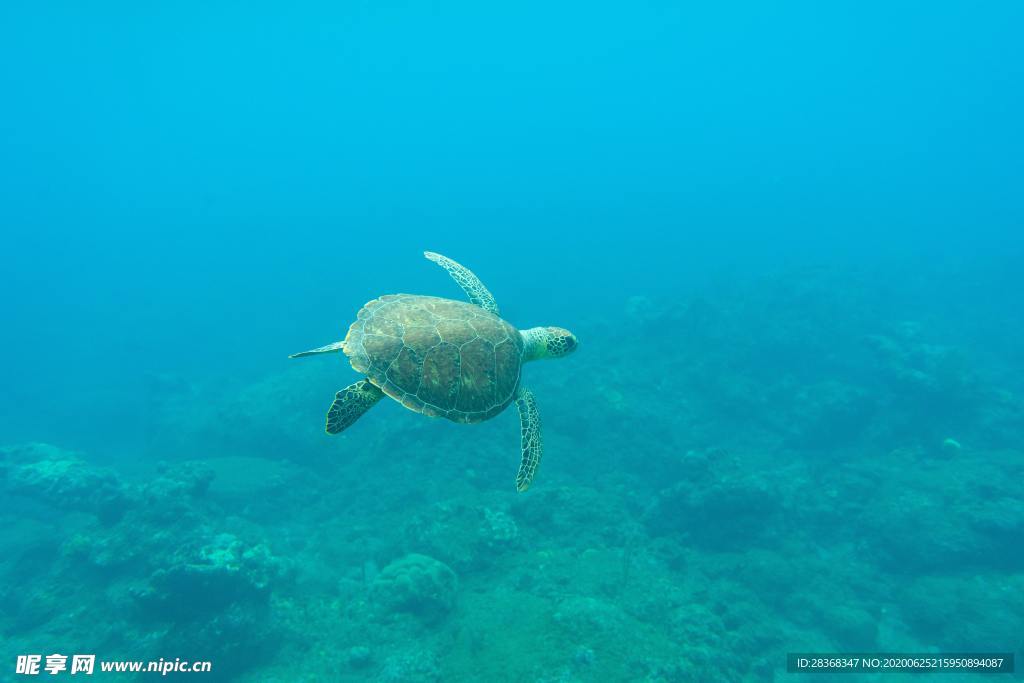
[788, 237]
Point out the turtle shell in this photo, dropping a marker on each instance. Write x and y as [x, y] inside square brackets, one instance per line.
[436, 356]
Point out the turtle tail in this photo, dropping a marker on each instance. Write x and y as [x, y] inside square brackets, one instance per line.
[330, 348]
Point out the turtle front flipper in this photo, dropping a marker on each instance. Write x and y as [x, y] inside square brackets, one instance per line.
[469, 282]
[350, 403]
[533, 445]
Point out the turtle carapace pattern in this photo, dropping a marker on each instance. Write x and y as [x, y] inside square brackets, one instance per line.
[438, 357]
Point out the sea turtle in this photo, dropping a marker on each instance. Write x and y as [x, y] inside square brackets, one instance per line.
[445, 358]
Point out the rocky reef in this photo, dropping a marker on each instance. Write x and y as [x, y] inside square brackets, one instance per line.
[149, 552]
[772, 477]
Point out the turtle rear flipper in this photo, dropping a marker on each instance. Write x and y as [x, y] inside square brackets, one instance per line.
[350, 403]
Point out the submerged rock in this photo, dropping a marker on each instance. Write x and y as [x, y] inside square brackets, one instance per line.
[359, 657]
[589, 617]
[829, 414]
[729, 512]
[190, 478]
[223, 572]
[417, 585]
[497, 528]
[62, 480]
[466, 537]
[417, 666]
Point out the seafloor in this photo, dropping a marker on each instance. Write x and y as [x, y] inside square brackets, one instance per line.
[804, 462]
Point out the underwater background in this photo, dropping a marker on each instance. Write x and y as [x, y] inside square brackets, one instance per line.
[789, 237]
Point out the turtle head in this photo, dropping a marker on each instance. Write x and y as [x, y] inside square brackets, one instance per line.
[548, 342]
